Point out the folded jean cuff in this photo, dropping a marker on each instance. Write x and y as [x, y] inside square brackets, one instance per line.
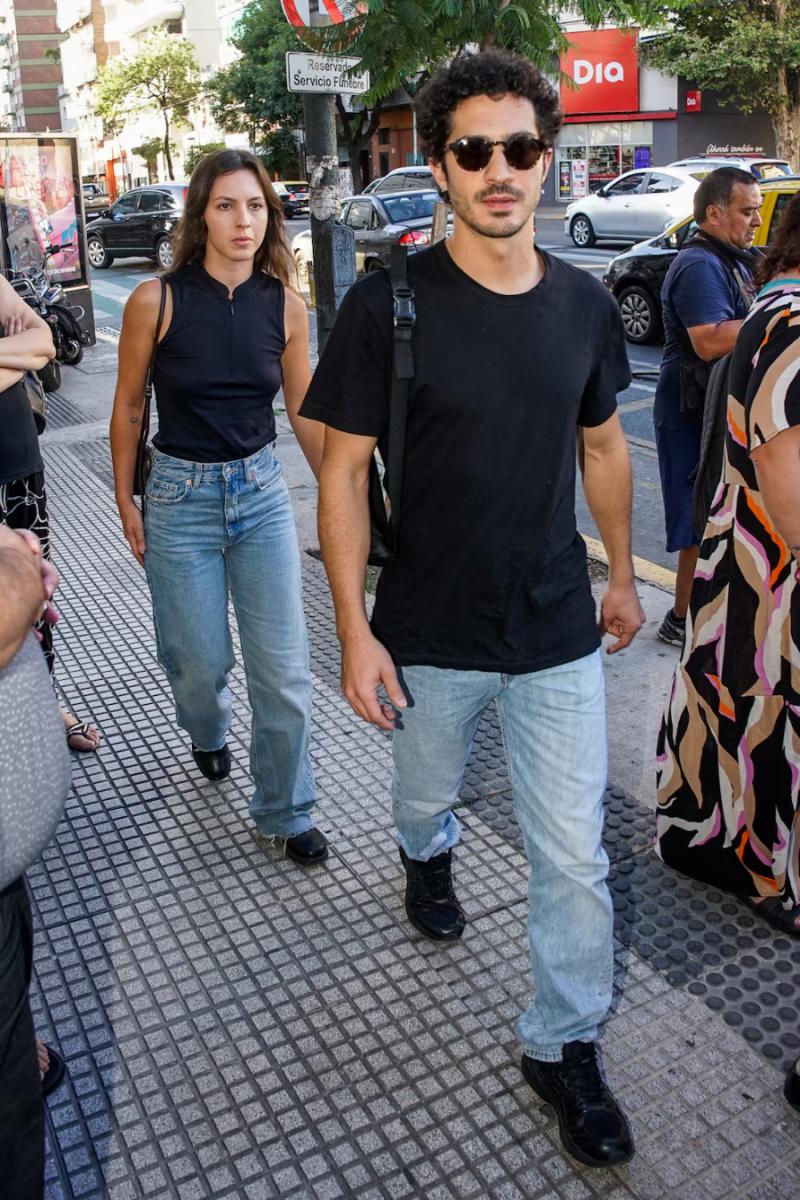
[440, 843]
[285, 829]
[544, 1053]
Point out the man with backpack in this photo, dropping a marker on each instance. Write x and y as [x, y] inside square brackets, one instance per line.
[515, 355]
[705, 297]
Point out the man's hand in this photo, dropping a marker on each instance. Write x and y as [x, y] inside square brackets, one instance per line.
[366, 664]
[621, 615]
[133, 528]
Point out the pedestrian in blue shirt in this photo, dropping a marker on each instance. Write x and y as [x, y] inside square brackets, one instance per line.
[705, 297]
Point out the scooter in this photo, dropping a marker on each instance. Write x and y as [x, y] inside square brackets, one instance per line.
[47, 297]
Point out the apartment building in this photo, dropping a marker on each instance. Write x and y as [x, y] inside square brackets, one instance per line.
[84, 50]
[30, 73]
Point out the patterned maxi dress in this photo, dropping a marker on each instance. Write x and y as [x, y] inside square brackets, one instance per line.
[728, 760]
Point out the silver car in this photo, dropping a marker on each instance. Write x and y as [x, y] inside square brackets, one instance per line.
[634, 206]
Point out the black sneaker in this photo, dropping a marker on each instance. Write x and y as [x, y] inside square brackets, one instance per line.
[431, 904]
[592, 1126]
[215, 764]
[672, 630]
[792, 1087]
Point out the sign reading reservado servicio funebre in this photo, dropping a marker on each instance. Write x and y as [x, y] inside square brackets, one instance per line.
[326, 73]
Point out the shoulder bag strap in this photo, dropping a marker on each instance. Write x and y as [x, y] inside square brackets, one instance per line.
[402, 376]
[148, 383]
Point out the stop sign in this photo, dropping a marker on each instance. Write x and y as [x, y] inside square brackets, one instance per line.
[315, 13]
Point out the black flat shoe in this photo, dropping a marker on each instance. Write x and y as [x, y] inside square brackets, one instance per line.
[592, 1126]
[792, 1088]
[55, 1073]
[307, 848]
[214, 764]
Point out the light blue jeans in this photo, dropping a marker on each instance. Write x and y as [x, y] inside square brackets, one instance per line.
[554, 730]
[218, 528]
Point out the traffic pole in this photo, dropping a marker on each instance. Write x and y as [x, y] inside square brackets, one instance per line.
[332, 245]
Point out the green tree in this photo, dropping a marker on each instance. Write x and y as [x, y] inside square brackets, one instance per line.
[163, 74]
[748, 51]
[150, 151]
[400, 43]
[279, 154]
[195, 153]
[250, 95]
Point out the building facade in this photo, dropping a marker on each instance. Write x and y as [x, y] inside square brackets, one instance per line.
[84, 51]
[29, 65]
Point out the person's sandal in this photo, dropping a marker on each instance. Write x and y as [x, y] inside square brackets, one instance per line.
[81, 729]
[773, 912]
[55, 1073]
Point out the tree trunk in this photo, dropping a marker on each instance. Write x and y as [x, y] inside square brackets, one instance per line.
[167, 155]
[358, 141]
[786, 119]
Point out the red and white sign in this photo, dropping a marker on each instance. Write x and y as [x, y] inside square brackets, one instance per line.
[604, 63]
[694, 101]
[314, 13]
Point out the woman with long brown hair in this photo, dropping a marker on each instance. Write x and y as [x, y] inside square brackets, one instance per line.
[218, 520]
[729, 749]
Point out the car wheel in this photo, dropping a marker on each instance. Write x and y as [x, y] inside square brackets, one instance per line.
[581, 231]
[641, 315]
[164, 254]
[50, 375]
[97, 254]
[301, 263]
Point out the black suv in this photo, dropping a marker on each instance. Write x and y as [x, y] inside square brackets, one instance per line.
[138, 225]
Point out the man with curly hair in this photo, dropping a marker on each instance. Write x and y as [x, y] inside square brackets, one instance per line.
[518, 359]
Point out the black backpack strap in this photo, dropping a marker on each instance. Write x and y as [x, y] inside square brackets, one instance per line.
[402, 376]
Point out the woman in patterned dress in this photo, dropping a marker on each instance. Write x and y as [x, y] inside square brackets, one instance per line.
[728, 766]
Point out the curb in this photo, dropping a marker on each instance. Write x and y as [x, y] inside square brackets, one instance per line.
[648, 572]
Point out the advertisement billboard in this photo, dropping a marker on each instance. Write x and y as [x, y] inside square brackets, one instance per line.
[39, 205]
[604, 66]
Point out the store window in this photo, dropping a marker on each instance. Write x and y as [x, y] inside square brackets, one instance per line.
[591, 155]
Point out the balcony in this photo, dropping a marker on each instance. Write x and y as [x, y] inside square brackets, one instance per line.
[72, 12]
[127, 18]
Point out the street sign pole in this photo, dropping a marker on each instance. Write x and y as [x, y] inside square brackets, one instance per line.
[332, 245]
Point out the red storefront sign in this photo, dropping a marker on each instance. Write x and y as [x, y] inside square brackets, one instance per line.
[694, 101]
[604, 63]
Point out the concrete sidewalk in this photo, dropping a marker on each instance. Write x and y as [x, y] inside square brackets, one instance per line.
[236, 1027]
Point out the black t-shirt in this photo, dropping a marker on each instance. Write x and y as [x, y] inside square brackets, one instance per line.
[491, 571]
[19, 441]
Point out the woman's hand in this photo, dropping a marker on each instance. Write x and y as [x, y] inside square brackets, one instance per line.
[12, 325]
[133, 528]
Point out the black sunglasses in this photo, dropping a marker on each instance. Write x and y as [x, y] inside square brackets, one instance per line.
[522, 151]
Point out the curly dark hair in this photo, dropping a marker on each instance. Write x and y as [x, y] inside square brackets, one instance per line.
[189, 241]
[490, 73]
[784, 251]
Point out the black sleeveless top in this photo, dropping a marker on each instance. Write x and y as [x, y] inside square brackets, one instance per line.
[218, 367]
[19, 442]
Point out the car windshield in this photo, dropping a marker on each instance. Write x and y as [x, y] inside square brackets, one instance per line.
[774, 170]
[413, 207]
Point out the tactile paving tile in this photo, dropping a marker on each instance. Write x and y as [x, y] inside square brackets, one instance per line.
[62, 412]
[238, 1028]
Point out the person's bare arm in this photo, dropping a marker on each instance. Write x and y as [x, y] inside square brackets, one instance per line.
[135, 350]
[23, 590]
[777, 465]
[606, 467]
[27, 344]
[296, 378]
[710, 342]
[344, 534]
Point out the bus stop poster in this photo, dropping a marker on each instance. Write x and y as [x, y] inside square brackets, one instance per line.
[39, 206]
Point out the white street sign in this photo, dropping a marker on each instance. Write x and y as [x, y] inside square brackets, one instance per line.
[325, 73]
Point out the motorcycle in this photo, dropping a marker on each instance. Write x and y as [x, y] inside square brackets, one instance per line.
[34, 283]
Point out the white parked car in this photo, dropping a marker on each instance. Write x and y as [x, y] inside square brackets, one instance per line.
[634, 206]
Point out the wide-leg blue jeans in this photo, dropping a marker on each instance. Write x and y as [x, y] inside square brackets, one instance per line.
[554, 729]
[214, 529]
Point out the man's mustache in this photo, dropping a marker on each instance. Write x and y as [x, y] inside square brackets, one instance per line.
[498, 190]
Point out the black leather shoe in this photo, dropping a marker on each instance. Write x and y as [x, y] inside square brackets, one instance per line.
[592, 1126]
[792, 1088]
[431, 904]
[215, 764]
[307, 848]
